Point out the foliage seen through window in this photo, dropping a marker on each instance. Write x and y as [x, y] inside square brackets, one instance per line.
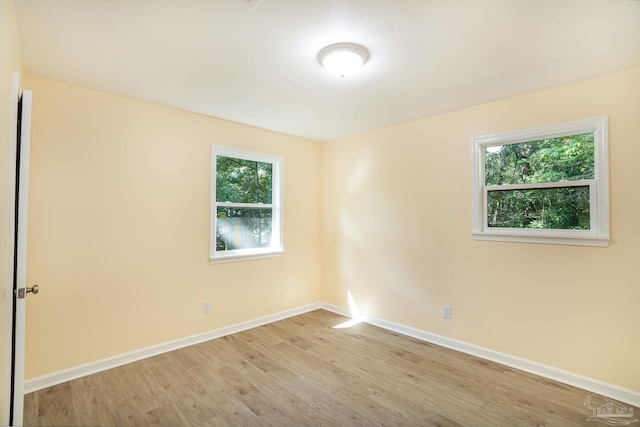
[554, 160]
[244, 196]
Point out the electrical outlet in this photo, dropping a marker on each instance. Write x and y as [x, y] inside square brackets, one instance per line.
[206, 307]
[446, 311]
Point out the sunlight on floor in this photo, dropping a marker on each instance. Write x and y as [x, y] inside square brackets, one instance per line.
[356, 317]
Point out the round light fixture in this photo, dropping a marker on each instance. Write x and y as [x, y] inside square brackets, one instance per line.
[343, 59]
[494, 149]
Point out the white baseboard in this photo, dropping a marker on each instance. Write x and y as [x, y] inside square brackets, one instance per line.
[65, 375]
[621, 394]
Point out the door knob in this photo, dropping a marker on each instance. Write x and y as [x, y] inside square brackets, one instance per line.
[21, 291]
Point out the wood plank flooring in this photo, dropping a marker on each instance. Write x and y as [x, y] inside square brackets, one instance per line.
[302, 372]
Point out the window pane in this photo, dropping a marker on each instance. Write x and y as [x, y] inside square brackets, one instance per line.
[243, 181]
[564, 208]
[568, 158]
[242, 228]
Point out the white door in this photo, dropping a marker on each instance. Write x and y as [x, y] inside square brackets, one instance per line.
[20, 289]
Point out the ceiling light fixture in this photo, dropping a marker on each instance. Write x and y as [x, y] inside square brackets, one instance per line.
[343, 59]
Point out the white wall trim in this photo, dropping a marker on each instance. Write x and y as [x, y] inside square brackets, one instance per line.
[621, 394]
[65, 375]
[612, 391]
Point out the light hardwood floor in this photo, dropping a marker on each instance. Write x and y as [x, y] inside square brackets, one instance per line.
[301, 372]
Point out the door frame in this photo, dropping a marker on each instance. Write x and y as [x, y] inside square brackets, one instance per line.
[11, 221]
[20, 148]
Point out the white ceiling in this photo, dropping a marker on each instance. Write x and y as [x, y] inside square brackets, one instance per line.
[254, 61]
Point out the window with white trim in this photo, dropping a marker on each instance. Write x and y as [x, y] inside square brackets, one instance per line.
[543, 185]
[246, 205]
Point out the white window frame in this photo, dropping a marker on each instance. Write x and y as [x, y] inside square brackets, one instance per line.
[597, 235]
[276, 248]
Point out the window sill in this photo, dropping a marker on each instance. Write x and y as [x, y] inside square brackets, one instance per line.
[547, 239]
[245, 256]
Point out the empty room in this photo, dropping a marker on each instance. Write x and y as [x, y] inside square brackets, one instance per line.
[319, 212]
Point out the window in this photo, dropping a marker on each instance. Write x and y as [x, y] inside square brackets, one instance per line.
[543, 185]
[246, 205]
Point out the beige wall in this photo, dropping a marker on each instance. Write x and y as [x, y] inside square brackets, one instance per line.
[119, 227]
[9, 63]
[397, 235]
